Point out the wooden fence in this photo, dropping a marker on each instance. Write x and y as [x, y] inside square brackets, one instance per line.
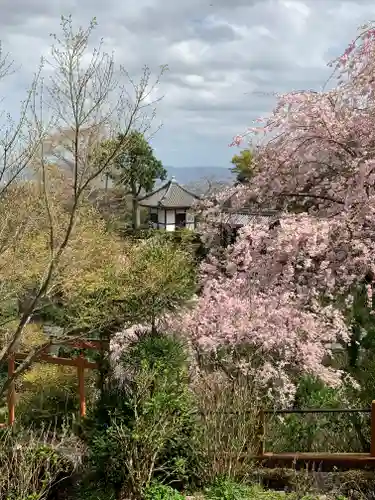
[350, 459]
[268, 458]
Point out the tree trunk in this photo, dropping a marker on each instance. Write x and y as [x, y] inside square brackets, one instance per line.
[135, 214]
[135, 190]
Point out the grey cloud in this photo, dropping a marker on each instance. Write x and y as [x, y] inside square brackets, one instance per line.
[225, 56]
[215, 33]
[235, 108]
[16, 12]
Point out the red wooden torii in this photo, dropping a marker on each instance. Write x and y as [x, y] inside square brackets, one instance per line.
[79, 361]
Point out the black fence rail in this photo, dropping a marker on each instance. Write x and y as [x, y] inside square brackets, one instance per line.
[368, 438]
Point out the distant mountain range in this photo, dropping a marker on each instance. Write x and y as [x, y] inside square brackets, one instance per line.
[192, 175]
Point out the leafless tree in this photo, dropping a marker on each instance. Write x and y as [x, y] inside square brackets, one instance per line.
[86, 100]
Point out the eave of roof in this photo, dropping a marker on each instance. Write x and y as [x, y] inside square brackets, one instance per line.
[170, 195]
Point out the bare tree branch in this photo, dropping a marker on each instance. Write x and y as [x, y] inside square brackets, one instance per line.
[87, 105]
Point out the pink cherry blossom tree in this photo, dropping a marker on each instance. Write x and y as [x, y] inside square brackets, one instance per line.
[286, 291]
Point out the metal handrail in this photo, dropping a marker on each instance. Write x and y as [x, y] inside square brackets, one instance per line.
[263, 413]
[317, 410]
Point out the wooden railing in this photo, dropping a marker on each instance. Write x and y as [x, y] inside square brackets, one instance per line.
[262, 426]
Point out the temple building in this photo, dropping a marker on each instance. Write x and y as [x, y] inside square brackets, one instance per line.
[170, 207]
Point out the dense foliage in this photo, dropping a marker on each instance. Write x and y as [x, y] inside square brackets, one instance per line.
[143, 423]
[243, 166]
[134, 170]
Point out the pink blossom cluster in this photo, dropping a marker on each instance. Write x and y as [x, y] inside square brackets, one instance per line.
[284, 291]
[260, 293]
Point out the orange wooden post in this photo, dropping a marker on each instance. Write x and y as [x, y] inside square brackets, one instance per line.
[372, 447]
[261, 433]
[81, 384]
[11, 391]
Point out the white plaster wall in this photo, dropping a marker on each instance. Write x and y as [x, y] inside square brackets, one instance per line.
[170, 220]
[161, 218]
[189, 220]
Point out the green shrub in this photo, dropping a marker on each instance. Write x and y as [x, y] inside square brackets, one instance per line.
[318, 432]
[48, 396]
[30, 466]
[224, 489]
[157, 491]
[185, 239]
[143, 425]
[88, 488]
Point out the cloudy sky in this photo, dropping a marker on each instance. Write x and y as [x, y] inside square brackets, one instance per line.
[224, 57]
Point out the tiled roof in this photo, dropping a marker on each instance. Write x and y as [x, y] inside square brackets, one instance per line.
[237, 219]
[170, 195]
